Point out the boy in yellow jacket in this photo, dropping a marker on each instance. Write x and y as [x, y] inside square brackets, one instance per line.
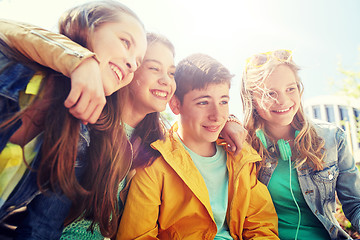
[197, 189]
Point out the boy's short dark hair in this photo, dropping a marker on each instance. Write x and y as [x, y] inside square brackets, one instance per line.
[197, 71]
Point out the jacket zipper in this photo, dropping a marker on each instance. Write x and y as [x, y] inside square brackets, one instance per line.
[67, 50]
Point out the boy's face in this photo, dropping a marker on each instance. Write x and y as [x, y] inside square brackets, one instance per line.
[203, 114]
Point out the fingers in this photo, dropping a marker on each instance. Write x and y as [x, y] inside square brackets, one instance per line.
[236, 145]
[231, 144]
[86, 99]
[234, 134]
[88, 109]
[73, 97]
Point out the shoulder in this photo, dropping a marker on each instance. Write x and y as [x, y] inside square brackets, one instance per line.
[328, 131]
[321, 125]
[247, 154]
[334, 137]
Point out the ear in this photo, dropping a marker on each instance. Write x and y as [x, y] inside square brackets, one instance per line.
[175, 105]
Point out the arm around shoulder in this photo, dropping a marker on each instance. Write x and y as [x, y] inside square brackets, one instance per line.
[44, 47]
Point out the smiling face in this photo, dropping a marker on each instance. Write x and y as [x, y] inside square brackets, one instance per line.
[154, 83]
[282, 100]
[203, 114]
[120, 47]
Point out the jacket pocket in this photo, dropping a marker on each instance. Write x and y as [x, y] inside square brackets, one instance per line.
[327, 175]
[325, 181]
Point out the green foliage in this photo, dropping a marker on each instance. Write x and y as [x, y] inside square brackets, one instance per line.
[350, 86]
[168, 117]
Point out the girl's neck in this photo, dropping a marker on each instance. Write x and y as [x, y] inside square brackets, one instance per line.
[132, 115]
[280, 132]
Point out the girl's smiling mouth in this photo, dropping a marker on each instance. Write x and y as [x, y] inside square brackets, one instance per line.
[117, 71]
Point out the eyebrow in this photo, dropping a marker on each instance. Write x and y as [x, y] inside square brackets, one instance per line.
[208, 96]
[156, 61]
[291, 84]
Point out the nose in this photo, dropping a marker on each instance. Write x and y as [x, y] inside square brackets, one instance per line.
[165, 79]
[131, 64]
[281, 99]
[214, 113]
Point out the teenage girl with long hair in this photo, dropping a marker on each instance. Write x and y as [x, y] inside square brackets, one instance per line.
[305, 163]
[75, 165]
[144, 98]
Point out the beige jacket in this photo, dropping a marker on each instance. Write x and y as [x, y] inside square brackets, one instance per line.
[45, 47]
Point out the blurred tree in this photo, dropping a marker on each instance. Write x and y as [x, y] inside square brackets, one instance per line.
[350, 84]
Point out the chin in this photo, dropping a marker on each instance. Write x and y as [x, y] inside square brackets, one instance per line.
[159, 108]
[108, 93]
[214, 138]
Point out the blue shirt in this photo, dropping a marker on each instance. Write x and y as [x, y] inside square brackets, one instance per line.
[215, 174]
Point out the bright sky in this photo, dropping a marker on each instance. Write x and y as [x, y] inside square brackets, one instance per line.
[321, 33]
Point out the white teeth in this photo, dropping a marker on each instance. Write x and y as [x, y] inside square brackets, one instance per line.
[281, 111]
[160, 94]
[117, 71]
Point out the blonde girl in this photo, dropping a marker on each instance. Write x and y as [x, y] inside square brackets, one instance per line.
[305, 163]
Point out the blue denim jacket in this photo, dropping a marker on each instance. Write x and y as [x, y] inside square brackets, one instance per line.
[340, 176]
[45, 212]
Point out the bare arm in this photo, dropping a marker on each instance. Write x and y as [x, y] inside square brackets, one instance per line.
[234, 134]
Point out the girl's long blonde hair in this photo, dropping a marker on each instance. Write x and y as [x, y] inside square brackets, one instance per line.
[308, 144]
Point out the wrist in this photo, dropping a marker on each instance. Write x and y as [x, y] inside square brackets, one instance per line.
[233, 118]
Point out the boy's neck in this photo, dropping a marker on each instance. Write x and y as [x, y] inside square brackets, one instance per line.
[204, 149]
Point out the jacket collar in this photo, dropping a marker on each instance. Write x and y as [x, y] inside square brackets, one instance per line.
[174, 154]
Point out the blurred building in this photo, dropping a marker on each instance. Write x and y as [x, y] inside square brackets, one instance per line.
[343, 111]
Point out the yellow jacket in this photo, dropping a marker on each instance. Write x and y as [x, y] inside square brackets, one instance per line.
[47, 48]
[169, 199]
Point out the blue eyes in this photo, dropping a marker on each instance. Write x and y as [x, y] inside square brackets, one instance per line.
[206, 103]
[274, 94]
[203, 103]
[291, 89]
[126, 42]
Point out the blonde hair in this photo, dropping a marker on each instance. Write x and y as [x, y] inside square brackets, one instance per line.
[308, 144]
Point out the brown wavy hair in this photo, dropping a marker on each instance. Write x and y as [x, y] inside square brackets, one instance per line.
[308, 144]
[109, 155]
[152, 127]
